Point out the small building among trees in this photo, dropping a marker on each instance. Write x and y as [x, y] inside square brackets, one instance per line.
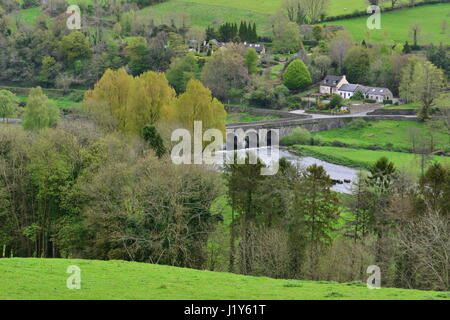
[339, 85]
[259, 48]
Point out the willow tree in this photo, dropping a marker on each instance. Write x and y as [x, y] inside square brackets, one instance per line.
[108, 99]
[197, 104]
[150, 100]
[8, 104]
[40, 112]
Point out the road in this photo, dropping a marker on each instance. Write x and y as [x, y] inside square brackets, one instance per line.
[302, 116]
[10, 120]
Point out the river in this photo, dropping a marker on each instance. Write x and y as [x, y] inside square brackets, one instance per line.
[345, 175]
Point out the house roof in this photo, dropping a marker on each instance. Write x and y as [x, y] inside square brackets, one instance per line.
[258, 47]
[375, 90]
[331, 81]
[349, 87]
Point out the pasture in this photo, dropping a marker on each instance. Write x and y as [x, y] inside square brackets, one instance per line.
[388, 135]
[360, 158]
[395, 25]
[46, 279]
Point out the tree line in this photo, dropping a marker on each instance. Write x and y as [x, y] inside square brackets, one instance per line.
[292, 225]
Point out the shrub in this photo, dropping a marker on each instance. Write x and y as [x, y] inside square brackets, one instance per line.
[358, 123]
[298, 136]
[260, 97]
[297, 75]
[30, 4]
[357, 96]
[339, 144]
[294, 101]
[336, 101]
[76, 96]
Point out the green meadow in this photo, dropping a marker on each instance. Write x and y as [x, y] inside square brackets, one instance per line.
[237, 117]
[360, 158]
[395, 25]
[414, 105]
[204, 13]
[62, 103]
[46, 279]
[207, 14]
[388, 135]
[29, 15]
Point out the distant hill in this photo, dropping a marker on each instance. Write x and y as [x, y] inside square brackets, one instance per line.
[395, 25]
[46, 279]
[204, 13]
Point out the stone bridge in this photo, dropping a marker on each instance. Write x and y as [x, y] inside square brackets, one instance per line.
[309, 122]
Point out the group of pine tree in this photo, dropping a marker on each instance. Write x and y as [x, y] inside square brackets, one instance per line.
[231, 32]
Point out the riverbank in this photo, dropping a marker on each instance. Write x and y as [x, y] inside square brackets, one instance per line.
[364, 159]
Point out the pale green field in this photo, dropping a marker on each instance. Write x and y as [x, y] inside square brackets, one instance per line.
[395, 26]
[29, 15]
[204, 14]
[336, 7]
[209, 12]
[46, 279]
[361, 158]
[387, 135]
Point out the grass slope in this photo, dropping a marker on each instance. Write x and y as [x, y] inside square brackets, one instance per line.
[62, 103]
[239, 117]
[386, 134]
[395, 25]
[360, 158]
[207, 14]
[46, 279]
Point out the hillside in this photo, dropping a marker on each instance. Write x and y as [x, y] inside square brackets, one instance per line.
[204, 13]
[46, 279]
[395, 25]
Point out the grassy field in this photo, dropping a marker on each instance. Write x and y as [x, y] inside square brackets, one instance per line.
[207, 14]
[46, 279]
[395, 25]
[415, 105]
[237, 117]
[61, 103]
[28, 16]
[387, 135]
[361, 158]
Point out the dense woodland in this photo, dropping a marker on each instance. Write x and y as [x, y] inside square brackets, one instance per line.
[100, 184]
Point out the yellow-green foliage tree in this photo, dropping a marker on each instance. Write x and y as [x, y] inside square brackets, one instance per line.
[197, 104]
[75, 46]
[150, 100]
[122, 102]
[40, 112]
[108, 99]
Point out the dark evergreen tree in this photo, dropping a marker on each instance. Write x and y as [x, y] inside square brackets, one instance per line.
[407, 48]
[153, 138]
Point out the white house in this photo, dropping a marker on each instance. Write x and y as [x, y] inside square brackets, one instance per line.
[377, 94]
[347, 90]
[331, 84]
[339, 85]
[259, 48]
